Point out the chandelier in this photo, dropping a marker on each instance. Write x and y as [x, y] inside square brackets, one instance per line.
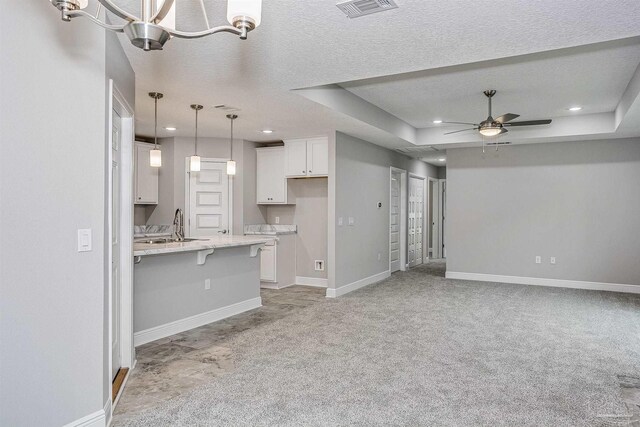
[156, 26]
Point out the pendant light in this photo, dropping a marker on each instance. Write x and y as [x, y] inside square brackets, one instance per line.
[155, 155]
[231, 164]
[194, 164]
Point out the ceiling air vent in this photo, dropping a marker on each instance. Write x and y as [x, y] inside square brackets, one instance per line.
[498, 143]
[357, 8]
[226, 108]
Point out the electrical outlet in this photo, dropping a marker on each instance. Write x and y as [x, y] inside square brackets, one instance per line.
[553, 260]
[207, 284]
[538, 260]
[319, 265]
[340, 221]
[277, 220]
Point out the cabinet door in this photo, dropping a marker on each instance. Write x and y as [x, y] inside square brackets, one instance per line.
[271, 185]
[146, 176]
[268, 264]
[318, 157]
[296, 158]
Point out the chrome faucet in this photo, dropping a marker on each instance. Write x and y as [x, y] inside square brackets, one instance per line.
[178, 225]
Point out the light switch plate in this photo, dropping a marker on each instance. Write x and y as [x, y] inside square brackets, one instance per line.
[538, 259]
[340, 221]
[352, 220]
[553, 260]
[277, 220]
[84, 240]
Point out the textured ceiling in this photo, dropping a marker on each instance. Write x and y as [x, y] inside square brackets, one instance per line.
[309, 43]
[534, 86]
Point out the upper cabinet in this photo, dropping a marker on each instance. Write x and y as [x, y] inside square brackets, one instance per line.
[146, 176]
[272, 188]
[306, 157]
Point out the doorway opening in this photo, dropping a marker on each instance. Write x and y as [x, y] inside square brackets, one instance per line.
[436, 220]
[119, 313]
[397, 220]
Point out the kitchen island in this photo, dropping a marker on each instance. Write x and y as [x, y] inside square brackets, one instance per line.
[183, 285]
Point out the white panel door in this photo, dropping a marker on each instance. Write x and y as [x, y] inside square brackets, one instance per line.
[209, 200]
[416, 220]
[115, 244]
[394, 223]
[318, 157]
[295, 158]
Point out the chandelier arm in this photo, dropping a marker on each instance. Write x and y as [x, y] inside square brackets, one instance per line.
[195, 35]
[77, 13]
[162, 11]
[117, 11]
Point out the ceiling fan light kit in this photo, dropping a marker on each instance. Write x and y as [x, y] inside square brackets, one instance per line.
[149, 33]
[495, 127]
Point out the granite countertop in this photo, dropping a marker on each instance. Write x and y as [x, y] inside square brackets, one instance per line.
[270, 229]
[225, 241]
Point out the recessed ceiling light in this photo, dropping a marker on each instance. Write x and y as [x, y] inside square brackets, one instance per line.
[575, 108]
[170, 128]
[441, 160]
[267, 131]
[437, 122]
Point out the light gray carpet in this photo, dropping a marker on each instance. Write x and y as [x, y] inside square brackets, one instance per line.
[421, 350]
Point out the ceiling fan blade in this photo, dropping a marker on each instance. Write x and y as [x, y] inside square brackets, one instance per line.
[503, 131]
[529, 123]
[456, 131]
[507, 117]
[460, 123]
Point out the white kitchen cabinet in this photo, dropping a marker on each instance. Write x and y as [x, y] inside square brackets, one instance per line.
[271, 184]
[146, 176]
[268, 263]
[278, 262]
[306, 157]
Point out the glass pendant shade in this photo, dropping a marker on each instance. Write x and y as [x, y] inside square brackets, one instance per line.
[194, 164]
[231, 167]
[252, 9]
[155, 158]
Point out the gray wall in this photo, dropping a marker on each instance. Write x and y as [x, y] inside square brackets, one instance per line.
[442, 172]
[52, 178]
[310, 215]
[576, 201]
[361, 180]
[171, 179]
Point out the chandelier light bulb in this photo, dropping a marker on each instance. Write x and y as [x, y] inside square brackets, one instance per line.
[239, 10]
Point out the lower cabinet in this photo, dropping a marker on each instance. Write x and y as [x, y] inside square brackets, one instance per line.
[278, 263]
[268, 263]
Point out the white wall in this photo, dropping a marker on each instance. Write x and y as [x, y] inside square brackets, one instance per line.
[310, 215]
[361, 180]
[52, 180]
[576, 201]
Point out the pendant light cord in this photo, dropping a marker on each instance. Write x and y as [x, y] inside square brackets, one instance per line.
[155, 130]
[231, 155]
[196, 131]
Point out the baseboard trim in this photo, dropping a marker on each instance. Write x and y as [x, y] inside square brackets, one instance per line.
[97, 419]
[108, 410]
[342, 290]
[276, 286]
[312, 281]
[537, 281]
[192, 322]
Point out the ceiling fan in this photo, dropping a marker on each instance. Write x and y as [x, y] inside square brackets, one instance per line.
[495, 127]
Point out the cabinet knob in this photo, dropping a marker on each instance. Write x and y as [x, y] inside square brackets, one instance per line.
[139, 198]
[304, 171]
[309, 171]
